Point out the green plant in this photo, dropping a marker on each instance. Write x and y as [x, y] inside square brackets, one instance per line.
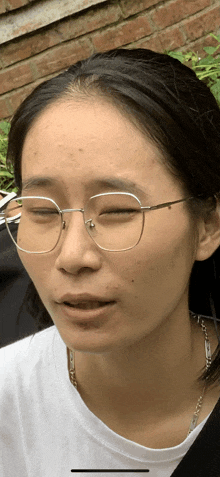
[6, 174]
[207, 69]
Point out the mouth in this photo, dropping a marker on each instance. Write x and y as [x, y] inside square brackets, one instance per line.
[92, 312]
[85, 307]
[88, 305]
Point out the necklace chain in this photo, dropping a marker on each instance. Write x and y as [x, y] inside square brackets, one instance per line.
[208, 355]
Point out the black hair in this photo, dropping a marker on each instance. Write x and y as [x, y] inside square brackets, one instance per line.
[177, 111]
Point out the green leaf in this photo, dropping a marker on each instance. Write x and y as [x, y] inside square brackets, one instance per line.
[5, 126]
[217, 37]
[208, 74]
[2, 159]
[210, 49]
[178, 55]
[215, 89]
[6, 174]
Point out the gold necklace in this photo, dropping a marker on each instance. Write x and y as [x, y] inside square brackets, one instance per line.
[208, 356]
[72, 372]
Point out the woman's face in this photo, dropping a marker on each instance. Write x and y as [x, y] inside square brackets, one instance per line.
[80, 147]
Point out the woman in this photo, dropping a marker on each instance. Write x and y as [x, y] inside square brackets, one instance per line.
[127, 142]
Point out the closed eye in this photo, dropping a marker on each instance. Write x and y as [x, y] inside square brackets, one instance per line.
[41, 215]
[119, 211]
[43, 212]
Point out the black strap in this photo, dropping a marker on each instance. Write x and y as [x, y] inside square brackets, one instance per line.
[15, 320]
[203, 457]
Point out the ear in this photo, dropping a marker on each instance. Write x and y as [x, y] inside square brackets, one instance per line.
[209, 235]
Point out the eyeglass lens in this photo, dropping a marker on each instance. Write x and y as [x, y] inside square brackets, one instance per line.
[114, 222]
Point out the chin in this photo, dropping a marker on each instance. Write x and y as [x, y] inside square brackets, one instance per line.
[88, 338]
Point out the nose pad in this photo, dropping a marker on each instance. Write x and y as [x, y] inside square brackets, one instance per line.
[77, 249]
[89, 223]
[91, 229]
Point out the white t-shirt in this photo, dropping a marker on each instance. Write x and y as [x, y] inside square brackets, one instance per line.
[46, 430]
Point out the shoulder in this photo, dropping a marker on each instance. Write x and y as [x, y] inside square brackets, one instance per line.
[25, 353]
[23, 366]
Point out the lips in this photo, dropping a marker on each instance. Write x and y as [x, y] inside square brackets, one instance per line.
[88, 310]
[84, 301]
[87, 305]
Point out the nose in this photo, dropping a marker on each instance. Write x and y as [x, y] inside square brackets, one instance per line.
[76, 251]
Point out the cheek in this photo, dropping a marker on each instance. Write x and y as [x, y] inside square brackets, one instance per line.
[159, 265]
[38, 269]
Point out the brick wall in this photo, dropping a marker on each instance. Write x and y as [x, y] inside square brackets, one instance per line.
[42, 47]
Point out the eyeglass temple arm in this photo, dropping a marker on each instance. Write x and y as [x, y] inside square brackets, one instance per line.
[166, 204]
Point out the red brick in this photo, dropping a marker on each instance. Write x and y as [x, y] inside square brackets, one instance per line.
[129, 7]
[122, 34]
[28, 46]
[61, 57]
[172, 13]
[12, 4]
[89, 21]
[5, 108]
[2, 7]
[16, 97]
[169, 39]
[203, 24]
[67, 29]
[150, 43]
[15, 76]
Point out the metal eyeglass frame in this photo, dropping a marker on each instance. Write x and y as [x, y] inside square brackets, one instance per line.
[89, 221]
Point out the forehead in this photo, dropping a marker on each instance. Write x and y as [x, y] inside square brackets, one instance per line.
[88, 140]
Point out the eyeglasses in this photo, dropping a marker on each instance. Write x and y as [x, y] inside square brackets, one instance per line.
[114, 221]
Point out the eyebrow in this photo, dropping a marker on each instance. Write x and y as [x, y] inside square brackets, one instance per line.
[103, 183]
[120, 184]
[38, 181]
